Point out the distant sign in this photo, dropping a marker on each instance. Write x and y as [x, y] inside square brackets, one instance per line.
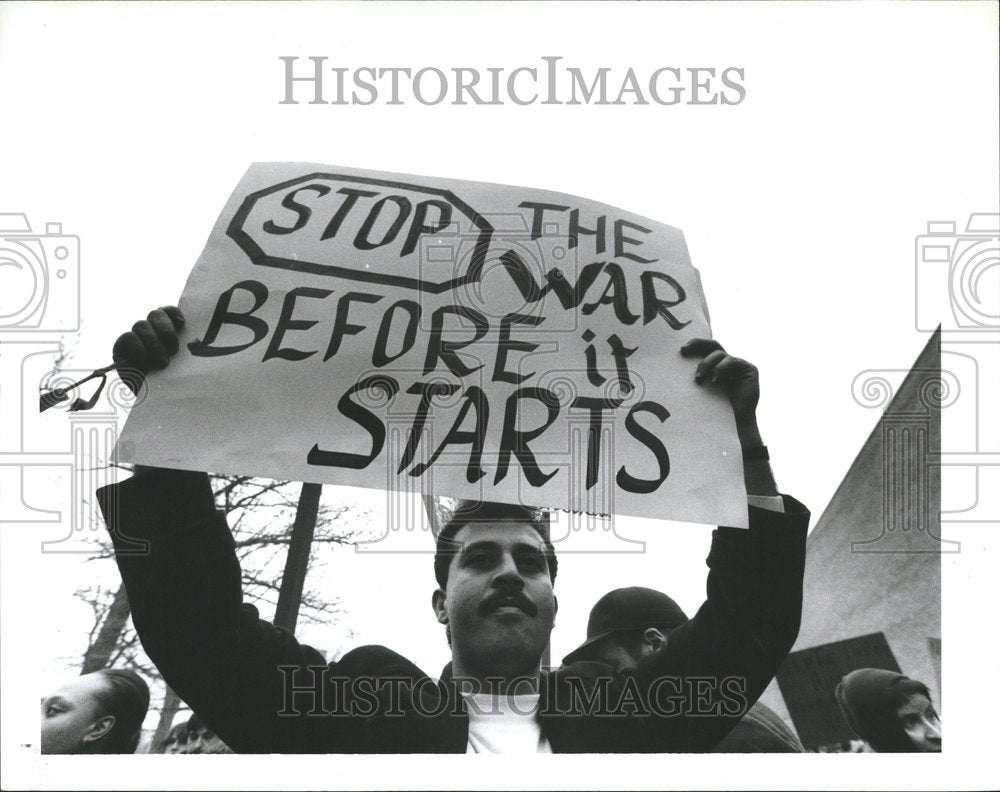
[808, 679]
[481, 341]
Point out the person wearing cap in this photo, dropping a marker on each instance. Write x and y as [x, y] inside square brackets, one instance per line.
[629, 624]
[889, 711]
[626, 625]
[262, 691]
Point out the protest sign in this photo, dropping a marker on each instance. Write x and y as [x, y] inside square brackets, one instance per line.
[464, 339]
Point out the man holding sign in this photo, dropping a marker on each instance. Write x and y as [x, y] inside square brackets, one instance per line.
[262, 691]
[518, 349]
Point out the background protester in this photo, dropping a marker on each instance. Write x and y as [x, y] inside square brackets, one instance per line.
[176, 739]
[628, 624]
[202, 740]
[193, 737]
[761, 730]
[98, 713]
[891, 712]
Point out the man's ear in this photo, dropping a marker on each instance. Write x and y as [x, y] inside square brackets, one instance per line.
[655, 639]
[99, 728]
[555, 601]
[438, 599]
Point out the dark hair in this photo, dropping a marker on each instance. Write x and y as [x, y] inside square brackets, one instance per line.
[126, 697]
[869, 699]
[471, 512]
[902, 689]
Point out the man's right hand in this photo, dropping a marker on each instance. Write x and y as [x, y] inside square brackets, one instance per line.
[148, 346]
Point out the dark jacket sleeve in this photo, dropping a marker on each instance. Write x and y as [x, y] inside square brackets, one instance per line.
[725, 656]
[249, 680]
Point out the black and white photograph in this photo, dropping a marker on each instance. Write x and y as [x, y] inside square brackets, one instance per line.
[381, 380]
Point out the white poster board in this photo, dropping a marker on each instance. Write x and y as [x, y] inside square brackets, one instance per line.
[456, 338]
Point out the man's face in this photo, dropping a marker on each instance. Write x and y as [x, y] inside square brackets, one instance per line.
[499, 603]
[921, 723]
[69, 713]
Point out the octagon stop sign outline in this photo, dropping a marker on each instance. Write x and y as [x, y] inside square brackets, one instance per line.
[311, 223]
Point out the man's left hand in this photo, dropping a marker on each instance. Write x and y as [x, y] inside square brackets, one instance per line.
[739, 378]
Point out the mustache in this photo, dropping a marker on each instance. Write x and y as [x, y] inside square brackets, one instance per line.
[500, 599]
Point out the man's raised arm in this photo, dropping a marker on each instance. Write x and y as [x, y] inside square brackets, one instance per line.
[749, 622]
[185, 592]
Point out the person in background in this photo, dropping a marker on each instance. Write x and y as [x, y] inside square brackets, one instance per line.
[176, 739]
[761, 730]
[889, 711]
[202, 740]
[628, 624]
[98, 713]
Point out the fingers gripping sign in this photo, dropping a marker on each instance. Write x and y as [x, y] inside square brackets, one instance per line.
[742, 385]
[148, 346]
[739, 377]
